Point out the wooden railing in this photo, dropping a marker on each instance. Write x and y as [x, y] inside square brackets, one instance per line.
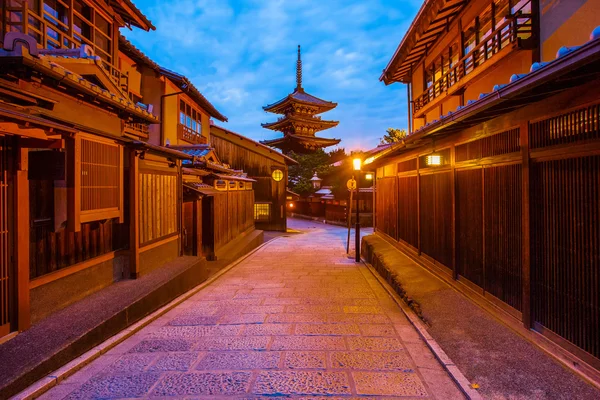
[512, 31]
[187, 134]
[137, 129]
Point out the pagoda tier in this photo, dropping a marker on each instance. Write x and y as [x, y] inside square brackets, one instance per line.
[299, 122]
[300, 102]
[300, 143]
[300, 125]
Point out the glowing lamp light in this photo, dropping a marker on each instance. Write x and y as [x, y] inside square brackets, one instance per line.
[369, 177]
[356, 164]
[434, 159]
[291, 205]
[277, 175]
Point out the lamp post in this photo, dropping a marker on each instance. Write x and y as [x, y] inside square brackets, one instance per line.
[356, 163]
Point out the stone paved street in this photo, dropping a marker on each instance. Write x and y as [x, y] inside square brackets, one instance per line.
[298, 318]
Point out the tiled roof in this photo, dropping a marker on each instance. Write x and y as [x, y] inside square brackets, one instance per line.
[196, 151]
[125, 10]
[136, 54]
[188, 87]
[46, 64]
[301, 96]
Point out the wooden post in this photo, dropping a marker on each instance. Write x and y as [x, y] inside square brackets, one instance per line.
[525, 226]
[134, 215]
[21, 237]
[197, 227]
[208, 223]
[73, 146]
[418, 209]
[453, 188]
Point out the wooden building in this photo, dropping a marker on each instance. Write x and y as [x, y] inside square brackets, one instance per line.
[86, 198]
[299, 122]
[268, 167]
[497, 186]
[217, 200]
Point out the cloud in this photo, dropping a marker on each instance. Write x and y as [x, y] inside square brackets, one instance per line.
[241, 54]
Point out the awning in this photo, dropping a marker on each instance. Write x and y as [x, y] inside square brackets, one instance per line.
[201, 188]
[233, 177]
[160, 150]
[29, 120]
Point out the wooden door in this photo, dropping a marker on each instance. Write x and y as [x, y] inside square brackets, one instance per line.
[189, 229]
[6, 245]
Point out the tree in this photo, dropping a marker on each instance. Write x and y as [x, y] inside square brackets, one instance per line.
[318, 161]
[393, 136]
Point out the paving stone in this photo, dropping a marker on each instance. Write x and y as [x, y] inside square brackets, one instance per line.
[316, 309]
[308, 343]
[374, 344]
[282, 300]
[239, 360]
[174, 362]
[358, 318]
[371, 360]
[191, 332]
[377, 330]
[131, 363]
[236, 319]
[389, 383]
[267, 329]
[289, 318]
[305, 360]
[363, 310]
[327, 329]
[302, 382]
[190, 319]
[268, 309]
[112, 386]
[162, 345]
[233, 343]
[203, 383]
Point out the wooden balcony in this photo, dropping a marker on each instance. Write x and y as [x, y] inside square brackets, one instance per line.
[515, 32]
[137, 129]
[187, 134]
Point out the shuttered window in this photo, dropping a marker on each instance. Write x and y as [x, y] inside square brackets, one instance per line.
[101, 169]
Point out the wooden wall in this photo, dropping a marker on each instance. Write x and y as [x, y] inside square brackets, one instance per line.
[259, 166]
[234, 214]
[512, 214]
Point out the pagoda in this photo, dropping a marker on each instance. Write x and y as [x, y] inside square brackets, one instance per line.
[299, 121]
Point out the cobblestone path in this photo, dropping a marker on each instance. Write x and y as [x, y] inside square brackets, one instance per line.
[296, 319]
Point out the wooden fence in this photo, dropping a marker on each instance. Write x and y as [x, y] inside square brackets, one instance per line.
[234, 214]
[51, 251]
[519, 225]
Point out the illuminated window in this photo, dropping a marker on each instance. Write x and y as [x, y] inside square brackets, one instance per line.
[262, 211]
[277, 175]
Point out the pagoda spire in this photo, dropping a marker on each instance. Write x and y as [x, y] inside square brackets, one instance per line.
[299, 71]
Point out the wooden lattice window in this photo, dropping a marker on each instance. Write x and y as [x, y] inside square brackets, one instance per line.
[262, 211]
[158, 205]
[101, 174]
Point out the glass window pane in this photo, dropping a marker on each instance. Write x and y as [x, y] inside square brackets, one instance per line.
[501, 10]
[83, 9]
[103, 25]
[188, 121]
[485, 24]
[182, 118]
[181, 106]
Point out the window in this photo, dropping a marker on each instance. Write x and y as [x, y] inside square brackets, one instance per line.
[101, 169]
[54, 25]
[262, 211]
[190, 117]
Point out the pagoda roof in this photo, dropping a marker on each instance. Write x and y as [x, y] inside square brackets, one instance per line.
[300, 96]
[315, 122]
[300, 143]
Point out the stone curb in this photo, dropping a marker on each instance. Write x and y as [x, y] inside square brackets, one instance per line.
[461, 381]
[48, 382]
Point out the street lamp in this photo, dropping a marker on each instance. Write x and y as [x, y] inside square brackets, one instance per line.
[356, 163]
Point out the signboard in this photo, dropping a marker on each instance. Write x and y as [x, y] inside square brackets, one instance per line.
[351, 184]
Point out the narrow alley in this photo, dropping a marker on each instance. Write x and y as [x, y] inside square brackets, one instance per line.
[296, 318]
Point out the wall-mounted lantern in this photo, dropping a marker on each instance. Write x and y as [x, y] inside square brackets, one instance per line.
[277, 175]
[434, 160]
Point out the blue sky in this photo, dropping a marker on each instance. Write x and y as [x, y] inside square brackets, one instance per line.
[241, 54]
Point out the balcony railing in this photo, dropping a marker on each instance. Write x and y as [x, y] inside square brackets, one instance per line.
[515, 29]
[137, 129]
[189, 135]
